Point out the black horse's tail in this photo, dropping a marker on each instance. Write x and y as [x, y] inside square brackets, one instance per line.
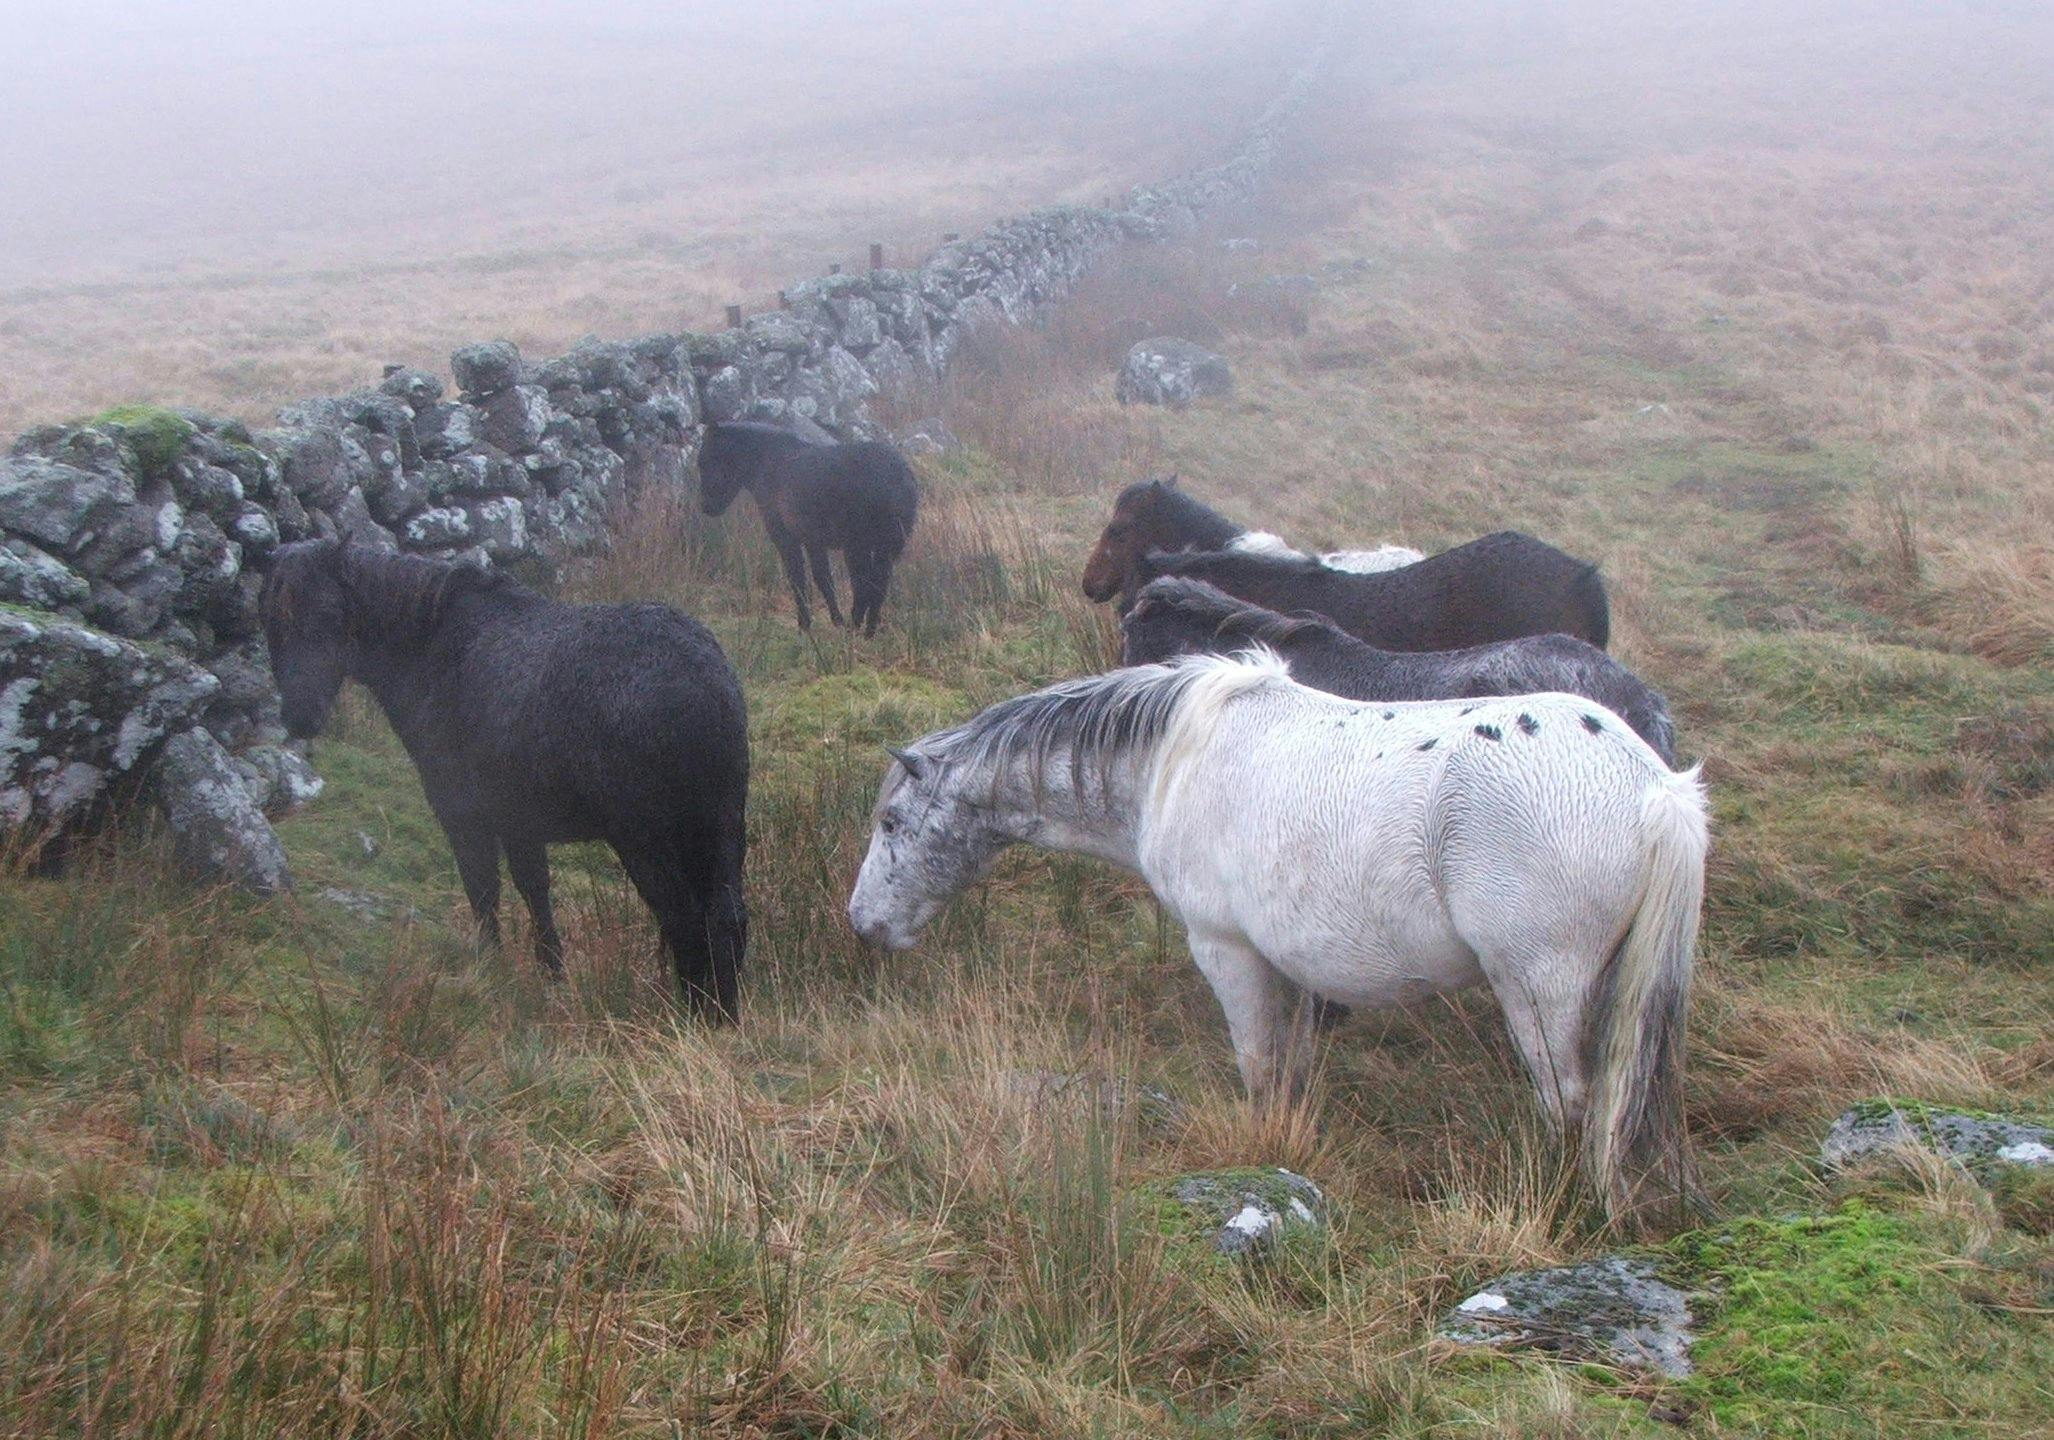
[1589, 589]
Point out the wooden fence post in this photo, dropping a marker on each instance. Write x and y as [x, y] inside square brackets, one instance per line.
[734, 317]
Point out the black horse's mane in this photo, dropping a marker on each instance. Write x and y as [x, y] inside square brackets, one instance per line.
[399, 596]
[1229, 617]
[1207, 528]
[760, 437]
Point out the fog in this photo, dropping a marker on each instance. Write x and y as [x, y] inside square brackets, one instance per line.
[234, 203]
[171, 134]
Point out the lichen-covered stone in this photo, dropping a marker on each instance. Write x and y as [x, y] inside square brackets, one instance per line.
[1978, 1140]
[28, 576]
[516, 419]
[277, 780]
[217, 831]
[499, 524]
[1172, 372]
[726, 395]
[1240, 1212]
[445, 429]
[418, 388]
[79, 710]
[61, 507]
[437, 528]
[1617, 1310]
[485, 369]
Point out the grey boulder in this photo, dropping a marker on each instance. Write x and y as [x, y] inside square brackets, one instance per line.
[1616, 1310]
[1172, 372]
[217, 830]
[79, 710]
[1977, 1140]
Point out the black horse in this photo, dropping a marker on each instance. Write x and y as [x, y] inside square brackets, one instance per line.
[1176, 616]
[859, 498]
[531, 722]
[1498, 588]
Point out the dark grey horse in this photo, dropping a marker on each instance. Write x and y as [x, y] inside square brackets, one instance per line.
[1176, 616]
[860, 499]
[532, 722]
[1500, 587]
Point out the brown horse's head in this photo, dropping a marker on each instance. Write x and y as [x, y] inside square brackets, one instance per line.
[1135, 528]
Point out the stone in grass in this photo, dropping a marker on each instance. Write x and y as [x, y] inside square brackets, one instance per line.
[368, 905]
[1616, 1310]
[1978, 1140]
[1242, 1211]
[217, 829]
[1172, 372]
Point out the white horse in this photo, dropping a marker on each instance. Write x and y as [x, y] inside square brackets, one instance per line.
[1355, 562]
[1373, 854]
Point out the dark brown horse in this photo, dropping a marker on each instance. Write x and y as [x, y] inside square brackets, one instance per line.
[532, 722]
[860, 499]
[1151, 515]
[1498, 588]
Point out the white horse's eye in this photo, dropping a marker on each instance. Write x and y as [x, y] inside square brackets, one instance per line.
[888, 825]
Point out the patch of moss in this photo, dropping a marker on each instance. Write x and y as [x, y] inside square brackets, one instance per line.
[1816, 1325]
[155, 435]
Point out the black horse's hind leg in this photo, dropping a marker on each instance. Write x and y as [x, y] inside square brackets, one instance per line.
[823, 576]
[528, 861]
[477, 863]
[877, 570]
[794, 556]
[670, 883]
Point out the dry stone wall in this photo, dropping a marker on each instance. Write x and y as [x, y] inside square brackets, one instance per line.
[148, 529]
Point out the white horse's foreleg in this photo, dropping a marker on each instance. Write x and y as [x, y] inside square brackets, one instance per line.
[1254, 1000]
[1544, 996]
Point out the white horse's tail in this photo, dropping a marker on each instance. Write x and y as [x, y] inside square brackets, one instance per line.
[1634, 1144]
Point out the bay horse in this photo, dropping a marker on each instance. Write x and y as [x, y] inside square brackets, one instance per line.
[859, 498]
[1177, 616]
[1500, 587]
[1160, 515]
[1372, 854]
[532, 722]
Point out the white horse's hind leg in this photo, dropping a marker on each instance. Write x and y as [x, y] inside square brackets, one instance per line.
[1544, 996]
[1271, 1058]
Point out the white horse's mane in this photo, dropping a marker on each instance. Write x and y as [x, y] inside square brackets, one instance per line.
[1097, 717]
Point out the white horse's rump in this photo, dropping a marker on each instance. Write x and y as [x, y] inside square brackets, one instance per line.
[1355, 562]
[1374, 854]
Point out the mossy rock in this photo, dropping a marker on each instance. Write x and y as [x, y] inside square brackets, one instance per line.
[1235, 1211]
[156, 436]
[1618, 1310]
[1985, 1142]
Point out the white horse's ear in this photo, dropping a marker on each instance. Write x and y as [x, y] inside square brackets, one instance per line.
[1171, 483]
[907, 758]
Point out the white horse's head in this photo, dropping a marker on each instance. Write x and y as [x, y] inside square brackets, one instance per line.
[927, 843]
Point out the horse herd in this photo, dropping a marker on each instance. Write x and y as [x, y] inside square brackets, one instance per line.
[1367, 777]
